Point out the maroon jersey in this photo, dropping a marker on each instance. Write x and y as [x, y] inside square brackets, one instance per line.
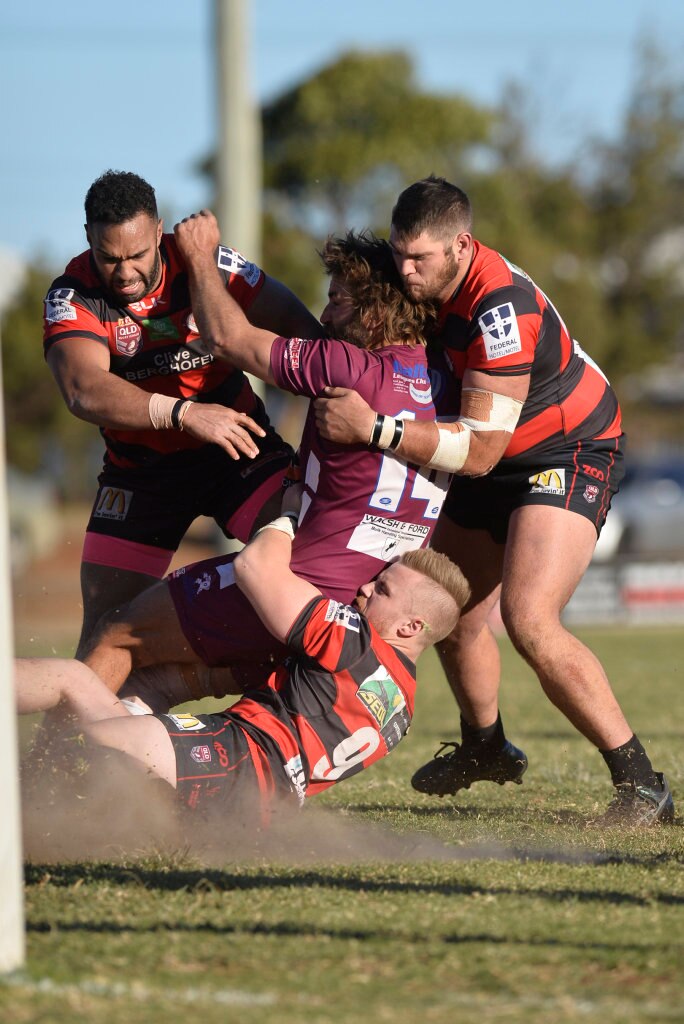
[153, 343]
[362, 507]
[342, 702]
[500, 323]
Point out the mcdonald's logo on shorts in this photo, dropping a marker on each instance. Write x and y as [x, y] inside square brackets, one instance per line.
[549, 481]
[113, 503]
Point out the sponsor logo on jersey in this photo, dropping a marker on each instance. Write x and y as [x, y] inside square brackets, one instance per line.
[187, 723]
[381, 696]
[58, 305]
[414, 380]
[292, 351]
[191, 324]
[549, 481]
[591, 492]
[113, 503]
[201, 754]
[294, 769]
[385, 538]
[146, 304]
[344, 615]
[234, 262]
[161, 327]
[127, 336]
[500, 332]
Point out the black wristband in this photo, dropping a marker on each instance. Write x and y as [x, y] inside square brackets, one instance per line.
[175, 412]
[377, 428]
[397, 436]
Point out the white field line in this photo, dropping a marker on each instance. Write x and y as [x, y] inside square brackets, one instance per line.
[137, 991]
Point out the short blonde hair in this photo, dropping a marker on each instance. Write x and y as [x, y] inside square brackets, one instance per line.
[445, 593]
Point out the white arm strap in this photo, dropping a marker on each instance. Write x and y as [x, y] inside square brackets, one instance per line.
[491, 412]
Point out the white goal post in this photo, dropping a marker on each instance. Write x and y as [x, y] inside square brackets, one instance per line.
[12, 934]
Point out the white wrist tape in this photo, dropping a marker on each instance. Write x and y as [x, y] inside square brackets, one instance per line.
[166, 412]
[452, 448]
[488, 411]
[284, 524]
[160, 409]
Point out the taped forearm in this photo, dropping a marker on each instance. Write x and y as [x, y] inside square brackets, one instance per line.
[456, 446]
[483, 412]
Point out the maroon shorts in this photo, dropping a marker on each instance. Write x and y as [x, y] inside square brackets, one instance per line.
[582, 478]
[219, 622]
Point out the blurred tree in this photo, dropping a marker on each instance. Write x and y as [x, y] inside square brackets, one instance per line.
[340, 144]
[637, 200]
[39, 429]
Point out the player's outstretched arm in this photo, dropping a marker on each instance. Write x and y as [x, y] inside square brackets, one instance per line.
[223, 326]
[470, 445]
[263, 574]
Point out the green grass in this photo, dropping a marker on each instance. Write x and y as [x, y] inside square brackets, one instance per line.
[499, 905]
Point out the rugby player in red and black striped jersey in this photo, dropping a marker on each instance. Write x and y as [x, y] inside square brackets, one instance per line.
[123, 345]
[342, 700]
[537, 453]
[361, 507]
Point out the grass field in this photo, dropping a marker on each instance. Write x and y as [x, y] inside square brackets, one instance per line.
[499, 905]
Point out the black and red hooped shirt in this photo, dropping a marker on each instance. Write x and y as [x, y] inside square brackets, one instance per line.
[344, 700]
[500, 323]
[153, 343]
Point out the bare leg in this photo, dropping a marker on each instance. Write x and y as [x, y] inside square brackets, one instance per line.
[143, 738]
[104, 588]
[44, 683]
[142, 633]
[547, 553]
[470, 655]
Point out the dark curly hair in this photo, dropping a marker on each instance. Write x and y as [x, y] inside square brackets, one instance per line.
[118, 196]
[366, 266]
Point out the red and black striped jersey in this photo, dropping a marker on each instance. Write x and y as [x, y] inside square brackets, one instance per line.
[153, 343]
[342, 701]
[500, 323]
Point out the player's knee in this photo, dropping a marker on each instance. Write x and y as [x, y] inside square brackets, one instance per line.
[529, 625]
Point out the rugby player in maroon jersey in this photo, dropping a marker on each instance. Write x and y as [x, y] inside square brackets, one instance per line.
[537, 453]
[361, 507]
[343, 700]
[185, 434]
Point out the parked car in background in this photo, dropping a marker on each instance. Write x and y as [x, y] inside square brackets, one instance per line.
[647, 514]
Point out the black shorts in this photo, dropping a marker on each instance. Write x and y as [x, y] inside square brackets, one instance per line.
[219, 767]
[153, 506]
[582, 478]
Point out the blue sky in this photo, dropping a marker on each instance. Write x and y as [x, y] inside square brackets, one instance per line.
[87, 86]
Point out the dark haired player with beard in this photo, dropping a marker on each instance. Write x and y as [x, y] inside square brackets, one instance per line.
[361, 507]
[538, 453]
[123, 345]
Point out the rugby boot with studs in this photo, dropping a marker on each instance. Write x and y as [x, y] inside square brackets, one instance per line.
[637, 806]
[461, 766]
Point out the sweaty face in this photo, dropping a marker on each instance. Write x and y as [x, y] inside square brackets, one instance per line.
[127, 256]
[428, 267]
[341, 317]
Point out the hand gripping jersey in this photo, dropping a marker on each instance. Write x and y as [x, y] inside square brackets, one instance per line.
[499, 322]
[342, 702]
[362, 507]
[153, 343]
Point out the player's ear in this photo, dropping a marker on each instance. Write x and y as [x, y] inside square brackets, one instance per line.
[411, 627]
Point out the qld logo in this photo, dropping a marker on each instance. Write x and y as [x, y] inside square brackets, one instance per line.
[127, 337]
